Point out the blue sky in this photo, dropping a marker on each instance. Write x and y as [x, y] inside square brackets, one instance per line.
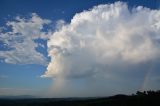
[18, 77]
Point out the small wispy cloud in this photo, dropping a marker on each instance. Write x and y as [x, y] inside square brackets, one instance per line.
[20, 40]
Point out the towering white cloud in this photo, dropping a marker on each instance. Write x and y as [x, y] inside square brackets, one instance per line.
[20, 40]
[105, 35]
[102, 49]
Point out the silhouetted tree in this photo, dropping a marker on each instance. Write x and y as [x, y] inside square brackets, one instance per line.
[139, 93]
[150, 92]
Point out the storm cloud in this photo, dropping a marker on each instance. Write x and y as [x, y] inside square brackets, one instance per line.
[102, 48]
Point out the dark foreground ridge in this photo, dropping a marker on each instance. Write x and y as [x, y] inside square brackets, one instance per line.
[146, 98]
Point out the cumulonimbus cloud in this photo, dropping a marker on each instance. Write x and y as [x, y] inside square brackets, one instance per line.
[106, 35]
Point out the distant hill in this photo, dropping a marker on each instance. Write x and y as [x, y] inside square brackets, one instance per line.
[146, 98]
